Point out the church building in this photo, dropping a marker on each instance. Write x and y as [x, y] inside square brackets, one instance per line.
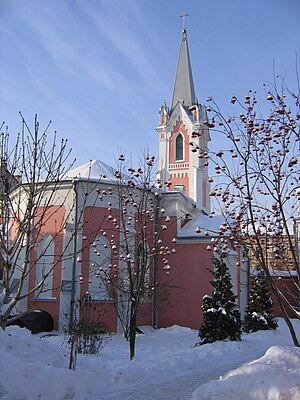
[81, 219]
[183, 167]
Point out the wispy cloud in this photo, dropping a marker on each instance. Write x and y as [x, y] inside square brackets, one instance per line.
[117, 23]
[89, 66]
[64, 43]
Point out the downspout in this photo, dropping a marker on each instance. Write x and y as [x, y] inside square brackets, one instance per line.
[155, 269]
[167, 172]
[296, 241]
[73, 291]
[248, 275]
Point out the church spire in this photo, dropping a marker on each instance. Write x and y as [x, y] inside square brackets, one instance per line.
[184, 86]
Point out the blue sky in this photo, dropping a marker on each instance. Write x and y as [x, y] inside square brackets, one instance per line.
[101, 69]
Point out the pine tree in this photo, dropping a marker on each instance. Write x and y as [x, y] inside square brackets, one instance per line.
[221, 317]
[258, 312]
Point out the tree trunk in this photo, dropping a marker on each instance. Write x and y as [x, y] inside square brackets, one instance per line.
[6, 313]
[73, 352]
[132, 331]
[3, 322]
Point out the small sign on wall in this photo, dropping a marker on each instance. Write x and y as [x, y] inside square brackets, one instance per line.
[66, 286]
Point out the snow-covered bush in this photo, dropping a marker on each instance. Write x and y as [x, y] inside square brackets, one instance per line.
[88, 333]
[258, 312]
[221, 317]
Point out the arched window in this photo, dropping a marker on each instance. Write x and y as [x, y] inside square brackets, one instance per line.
[44, 267]
[179, 148]
[99, 269]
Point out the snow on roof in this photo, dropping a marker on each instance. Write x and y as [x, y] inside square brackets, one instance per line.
[94, 170]
[201, 225]
[276, 273]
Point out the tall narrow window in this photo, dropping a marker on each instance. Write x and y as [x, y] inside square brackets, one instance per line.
[44, 267]
[179, 148]
[142, 272]
[99, 269]
[143, 261]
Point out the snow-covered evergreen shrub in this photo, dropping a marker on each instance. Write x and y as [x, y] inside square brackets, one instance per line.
[221, 317]
[258, 312]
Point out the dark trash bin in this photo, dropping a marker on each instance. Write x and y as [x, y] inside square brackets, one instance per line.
[35, 321]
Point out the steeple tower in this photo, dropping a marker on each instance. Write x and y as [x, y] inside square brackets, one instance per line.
[183, 136]
[183, 90]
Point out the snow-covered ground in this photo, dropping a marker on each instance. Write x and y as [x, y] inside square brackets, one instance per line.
[167, 366]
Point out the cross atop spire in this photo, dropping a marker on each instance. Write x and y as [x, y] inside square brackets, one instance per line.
[183, 16]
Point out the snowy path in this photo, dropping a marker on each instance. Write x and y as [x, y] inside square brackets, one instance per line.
[179, 388]
[166, 367]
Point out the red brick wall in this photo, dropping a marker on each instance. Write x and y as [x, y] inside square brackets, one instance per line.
[288, 286]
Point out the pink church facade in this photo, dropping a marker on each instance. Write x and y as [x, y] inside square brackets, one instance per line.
[180, 293]
[183, 185]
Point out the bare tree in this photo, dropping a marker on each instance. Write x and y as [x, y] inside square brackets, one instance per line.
[32, 172]
[130, 273]
[257, 182]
